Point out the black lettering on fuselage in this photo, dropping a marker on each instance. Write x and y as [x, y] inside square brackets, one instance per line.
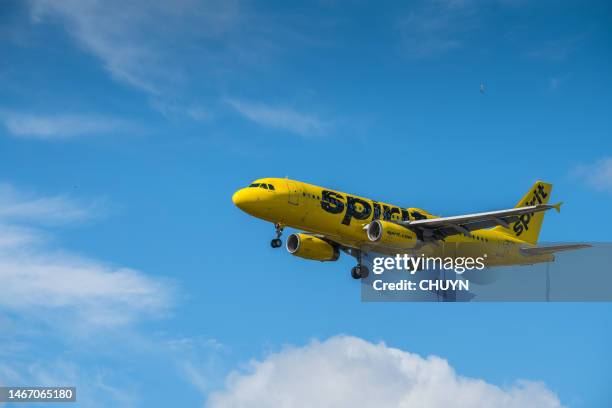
[376, 206]
[352, 211]
[418, 216]
[330, 202]
[358, 208]
[389, 211]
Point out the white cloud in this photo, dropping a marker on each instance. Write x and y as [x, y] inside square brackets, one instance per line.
[166, 48]
[434, 27]
[16, 205]
[61, 286]
[135, 40]
[351, 372]
[173, 110]
[93, 390]
[437, 27]
[18, 237]
[597, 175]
[198, 361]
[60, 126]
[173, 49]
[279, 118]
[93, 292]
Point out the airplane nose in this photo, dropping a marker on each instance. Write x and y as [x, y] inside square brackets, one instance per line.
[252, 201]
[245, 199]
[239, 198]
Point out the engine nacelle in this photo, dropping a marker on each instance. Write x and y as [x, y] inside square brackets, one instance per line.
[311, 247]
[391, 234]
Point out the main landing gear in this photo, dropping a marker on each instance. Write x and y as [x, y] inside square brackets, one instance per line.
[276, 242]
[359, 271]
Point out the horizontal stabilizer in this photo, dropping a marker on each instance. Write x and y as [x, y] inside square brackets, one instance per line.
[552, 249]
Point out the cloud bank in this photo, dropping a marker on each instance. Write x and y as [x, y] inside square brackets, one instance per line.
[350, 372]
[171, 49]
[138, 41]
[57, 285]
[61, 126]
[279, 117]
[17, 205]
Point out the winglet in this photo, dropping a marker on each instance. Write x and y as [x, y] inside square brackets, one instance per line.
[558, 206]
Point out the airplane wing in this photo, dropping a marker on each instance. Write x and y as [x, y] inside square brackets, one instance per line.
[552, 249]
[432, 229]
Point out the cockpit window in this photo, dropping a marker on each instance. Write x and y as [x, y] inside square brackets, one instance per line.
[262, 185]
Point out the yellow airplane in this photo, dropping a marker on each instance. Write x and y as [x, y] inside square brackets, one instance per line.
[334, 221]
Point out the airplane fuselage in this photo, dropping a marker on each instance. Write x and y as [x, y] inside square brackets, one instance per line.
[341, 218]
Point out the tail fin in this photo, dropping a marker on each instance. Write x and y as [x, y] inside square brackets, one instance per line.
[528, 227]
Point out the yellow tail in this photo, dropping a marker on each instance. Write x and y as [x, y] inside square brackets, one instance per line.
[528, 227]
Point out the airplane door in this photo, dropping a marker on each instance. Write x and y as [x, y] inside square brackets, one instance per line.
[294, 193]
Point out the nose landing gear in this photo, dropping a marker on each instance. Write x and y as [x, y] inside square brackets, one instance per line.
[276, 242]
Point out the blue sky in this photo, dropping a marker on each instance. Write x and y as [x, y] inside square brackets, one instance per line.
[124, 130]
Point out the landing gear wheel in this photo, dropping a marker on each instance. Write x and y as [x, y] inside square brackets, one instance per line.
[276, 242]
[359, 272]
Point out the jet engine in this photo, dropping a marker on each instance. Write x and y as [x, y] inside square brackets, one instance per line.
[391, 234]
[311, 247]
